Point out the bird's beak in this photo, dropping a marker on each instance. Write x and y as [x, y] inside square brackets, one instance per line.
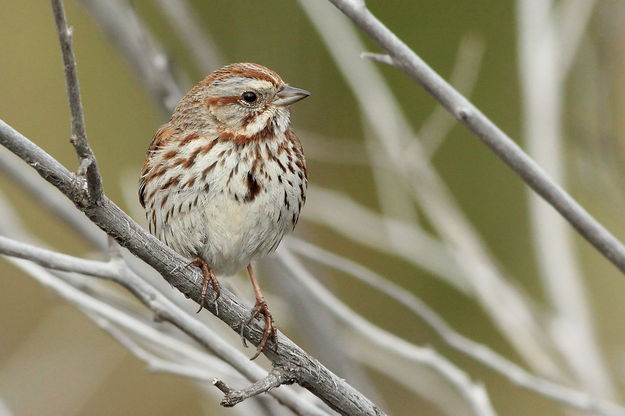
[289, 95]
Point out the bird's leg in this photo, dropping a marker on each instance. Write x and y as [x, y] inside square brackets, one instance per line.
[207, 277]
[260, 308]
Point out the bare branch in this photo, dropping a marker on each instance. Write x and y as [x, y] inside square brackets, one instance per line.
[48, 197]
[184, 22]
[480, 271]
[542, 73]
[157, 302]
[53, 260]
[474, 393]
[88, 166]
[191, 360]
[303, 368]
[482, 353]
[274, 379]
[128, 33]
[487, 131]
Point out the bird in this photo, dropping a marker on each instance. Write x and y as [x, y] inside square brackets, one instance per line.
[224, 180]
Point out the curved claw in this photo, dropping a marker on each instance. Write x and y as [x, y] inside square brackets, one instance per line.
[207, 277]
[269, 330]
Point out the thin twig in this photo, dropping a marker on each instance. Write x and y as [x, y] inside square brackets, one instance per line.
[184, 21]
[487, 282]
[232, 397]
[378, 57]
[474, 393]
[542, 79]
[126, 30]
[88, 166]
[313, 375]
[482, 353]
[157, 302]
[503, 146]
[53, 260]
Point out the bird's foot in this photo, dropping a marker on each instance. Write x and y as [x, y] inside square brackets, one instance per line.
[207, 278]
[269, 330]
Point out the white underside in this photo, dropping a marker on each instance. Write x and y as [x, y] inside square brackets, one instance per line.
[228, 233]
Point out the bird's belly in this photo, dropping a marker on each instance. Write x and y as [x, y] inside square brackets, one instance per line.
[228, 232]
[237, 232]
[239, 209]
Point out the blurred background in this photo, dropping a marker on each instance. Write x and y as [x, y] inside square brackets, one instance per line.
[550, 78]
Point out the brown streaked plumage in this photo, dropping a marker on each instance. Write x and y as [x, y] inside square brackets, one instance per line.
[225, 179]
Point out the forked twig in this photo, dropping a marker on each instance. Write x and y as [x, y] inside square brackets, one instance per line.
[232, 397]
[162, 307]
[313, 375]
[474, 393]
[88, 167]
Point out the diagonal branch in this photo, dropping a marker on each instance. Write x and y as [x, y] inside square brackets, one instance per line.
[88, 166]
[479, 352]
[503, 146]
[185, 21]
[483, 277]
[474, 393]
[286, 356]
[48, 197]
[162, 308]
[300, 366]
[274, 379]
[126, 31]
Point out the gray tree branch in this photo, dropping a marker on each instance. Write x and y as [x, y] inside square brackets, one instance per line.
[88, 166]
[123, 27]
[301, 367]
[163, 309]
[480, 352]
[504, 147]
[232, 397]
[286, 357]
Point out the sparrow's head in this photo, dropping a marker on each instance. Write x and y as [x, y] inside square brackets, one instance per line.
[242, 100]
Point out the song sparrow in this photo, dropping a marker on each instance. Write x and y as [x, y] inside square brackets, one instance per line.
[225, 178]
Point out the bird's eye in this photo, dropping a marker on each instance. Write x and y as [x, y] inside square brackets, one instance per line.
[249, 97]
